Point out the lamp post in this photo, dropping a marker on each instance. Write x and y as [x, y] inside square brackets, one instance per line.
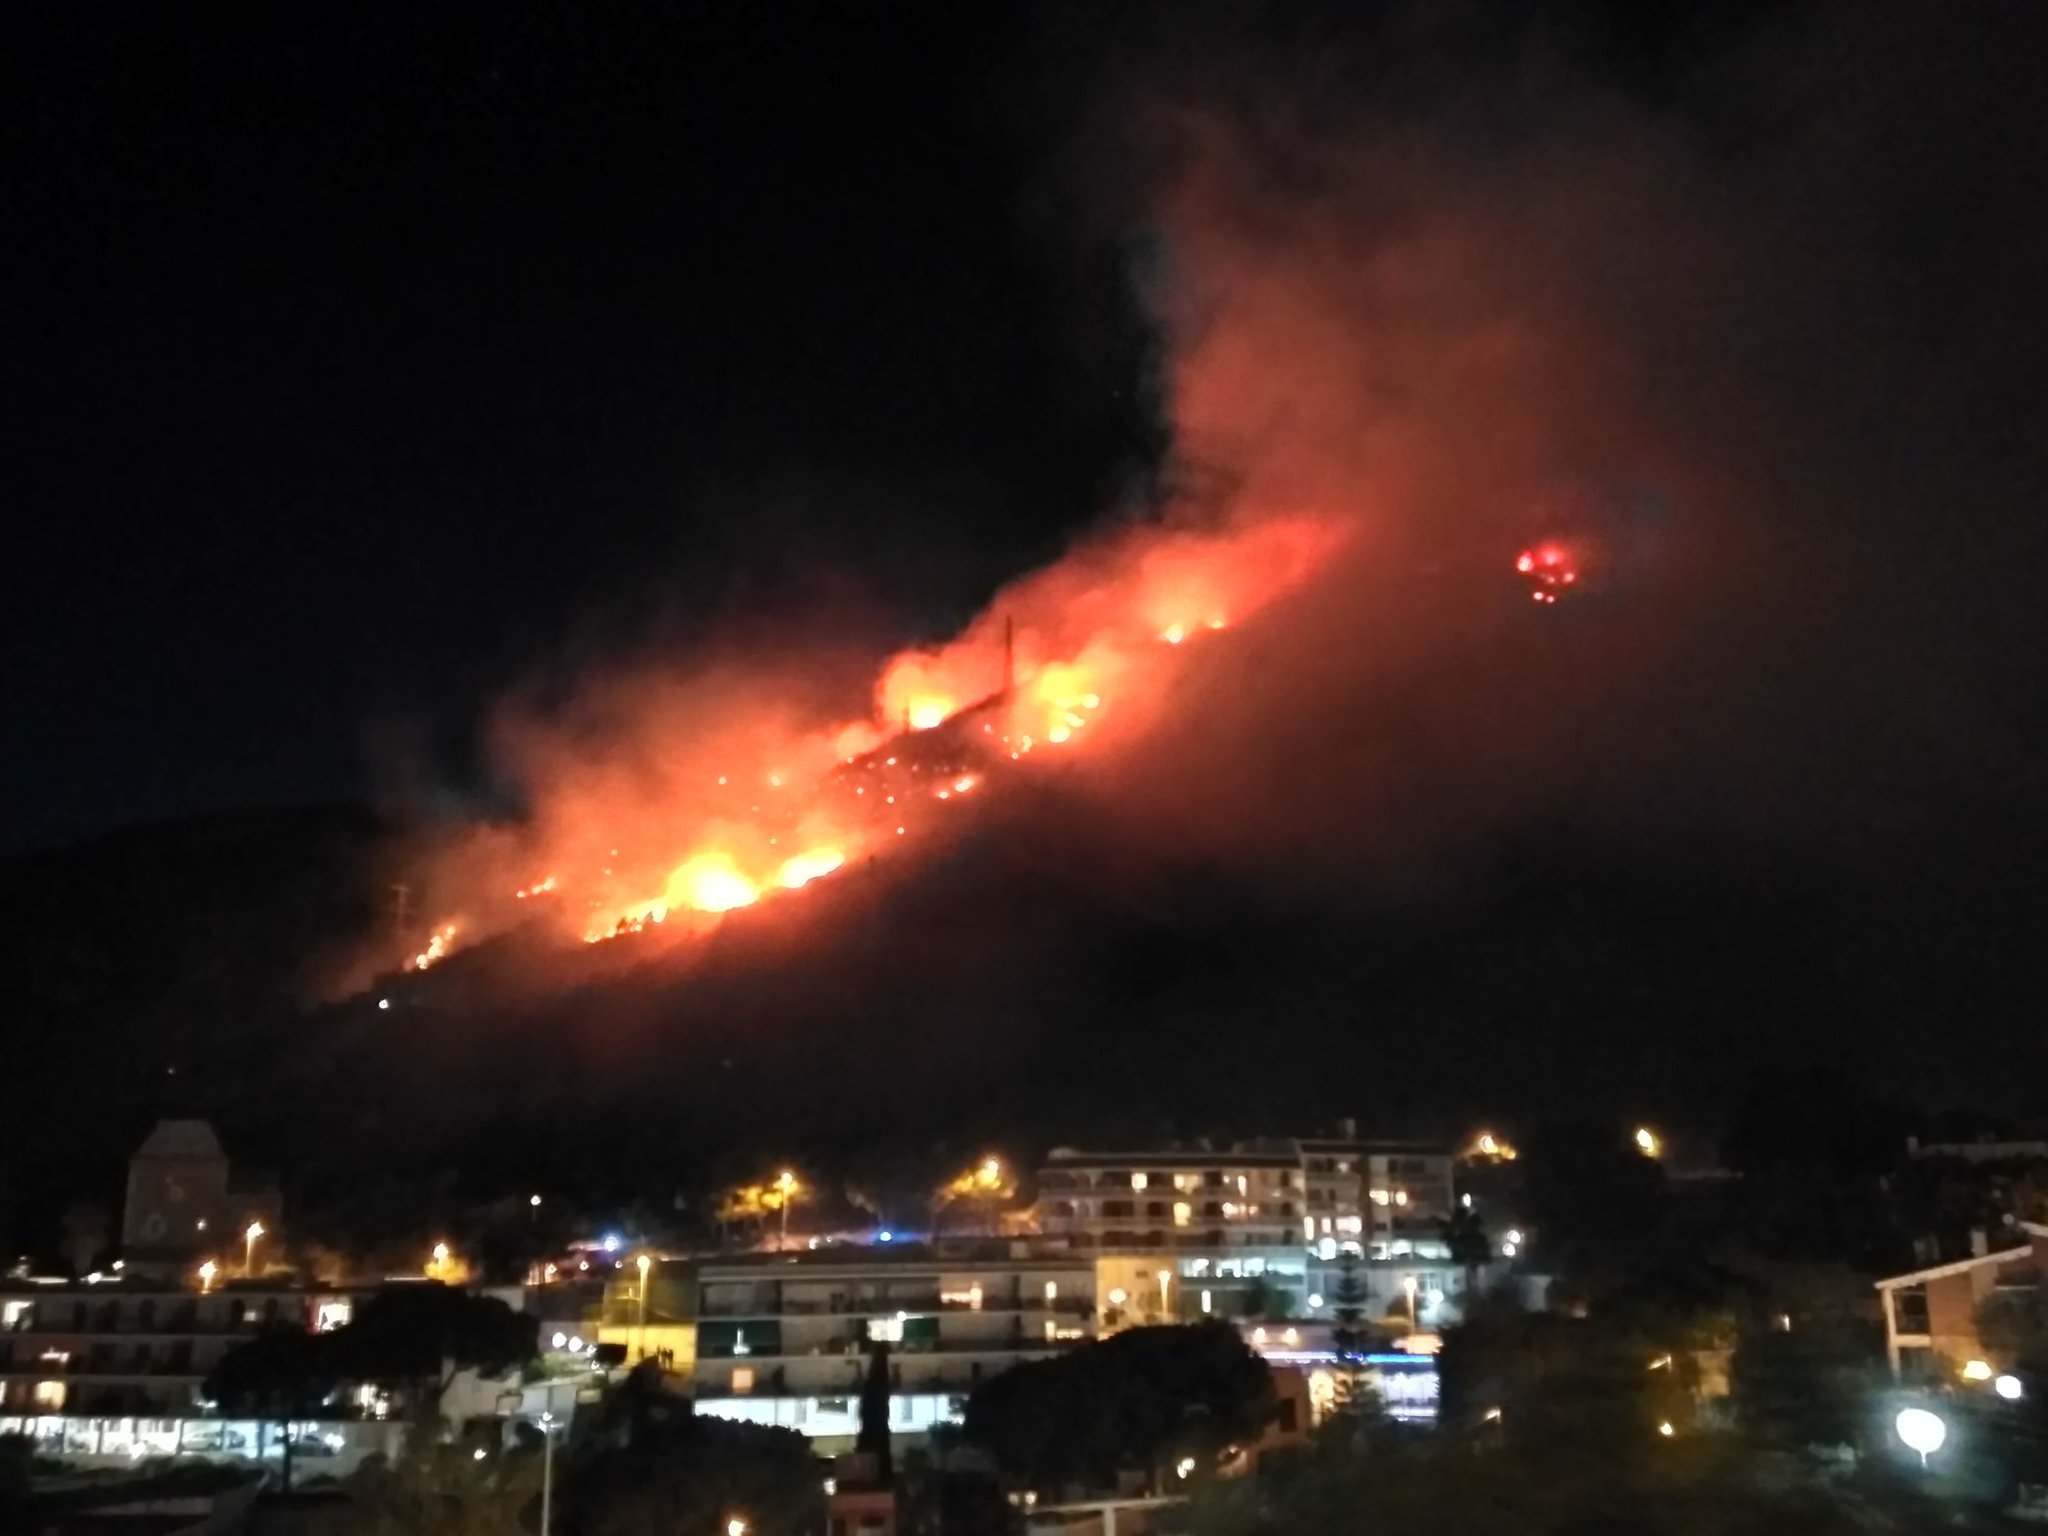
[785, 1185]
[547, 1472]
[249, 1250]
[644, 1264]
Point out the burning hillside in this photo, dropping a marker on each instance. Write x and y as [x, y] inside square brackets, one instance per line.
[733, 795]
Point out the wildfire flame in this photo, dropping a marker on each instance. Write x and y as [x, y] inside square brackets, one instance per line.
[783, 806]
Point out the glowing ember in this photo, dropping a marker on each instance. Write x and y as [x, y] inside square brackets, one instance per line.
[1549, 568]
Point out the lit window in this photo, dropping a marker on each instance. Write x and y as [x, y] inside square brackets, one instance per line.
[49, 1395]
[887, 1330]
[1350, 1224]
[1380, 1197]
[1230, 1208]
[1326, 1224]
[1206, 1300]
[1139, 1181]
[1308, 1229]
[1052, 1291]
[742, 1380]
[1400, 1197]
[1183, 1213]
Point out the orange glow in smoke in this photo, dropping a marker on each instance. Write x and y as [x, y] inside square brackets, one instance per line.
[927, 713]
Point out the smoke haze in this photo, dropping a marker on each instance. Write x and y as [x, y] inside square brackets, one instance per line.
[1424, 297]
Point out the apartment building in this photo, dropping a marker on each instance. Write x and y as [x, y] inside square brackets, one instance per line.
[114, 1346]
[1173, 1200]
[1260, 1228]
[1932, 1315]
[783, 1338]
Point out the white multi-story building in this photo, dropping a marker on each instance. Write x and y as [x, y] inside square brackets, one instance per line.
[1258, 1229]
[784, 1338]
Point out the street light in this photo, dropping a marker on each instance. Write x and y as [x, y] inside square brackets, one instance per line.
[1922, 1431]
[1648, 1142]
[2009, 1388]
[735, 1527]
[644, 1264]
[785, 1185]
[249, 1252]
[547, 1472]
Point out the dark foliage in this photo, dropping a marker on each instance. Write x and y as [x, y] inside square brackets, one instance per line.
[415, 1336]
[685, 1475]
[1133, 1401]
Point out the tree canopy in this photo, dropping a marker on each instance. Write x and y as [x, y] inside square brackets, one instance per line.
[1133, 1401]
[687, 1475]
[417, 1336]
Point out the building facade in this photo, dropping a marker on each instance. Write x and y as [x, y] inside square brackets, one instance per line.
[784, 1338]
[1931, 1316]
[185, 1203]
[1260, 1229]
[116, 1346]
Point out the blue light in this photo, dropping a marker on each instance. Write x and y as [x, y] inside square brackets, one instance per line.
[885, 1236]
[611, 1244]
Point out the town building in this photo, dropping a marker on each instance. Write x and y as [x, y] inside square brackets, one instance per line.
[1261, 1228]
[784, 1338]
[119, 1346]
[1931, 1316]
[186, 1203]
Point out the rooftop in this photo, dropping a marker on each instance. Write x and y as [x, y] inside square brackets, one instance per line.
[185, 1140]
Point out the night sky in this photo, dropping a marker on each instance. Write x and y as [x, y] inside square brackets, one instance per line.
[360, 363]
[365, 365]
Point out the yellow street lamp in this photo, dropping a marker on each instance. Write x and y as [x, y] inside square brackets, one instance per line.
[1648, 1142]
[644, 1264]
[786, 1186]
[255, 1230]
